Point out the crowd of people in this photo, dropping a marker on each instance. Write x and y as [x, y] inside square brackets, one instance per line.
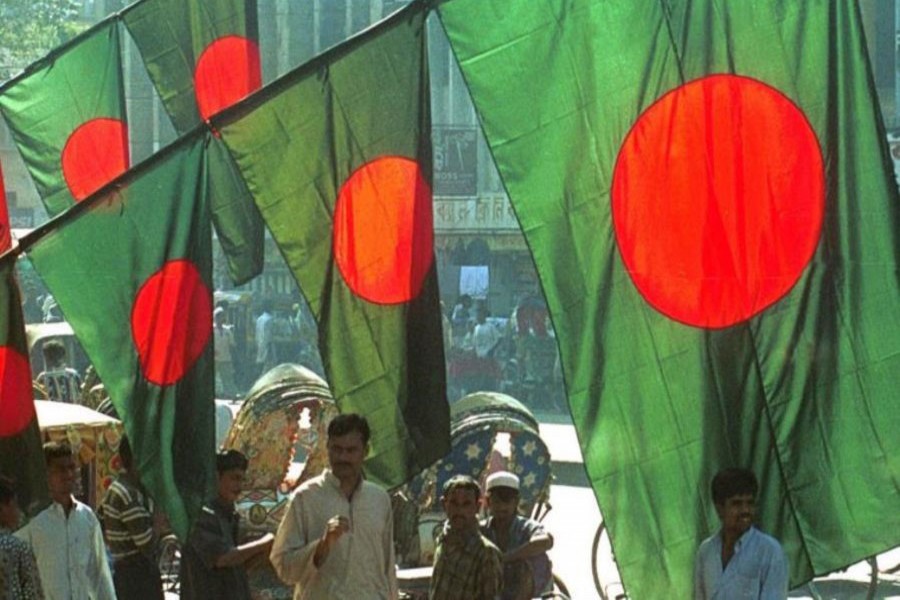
[516, 355]
[335, 540]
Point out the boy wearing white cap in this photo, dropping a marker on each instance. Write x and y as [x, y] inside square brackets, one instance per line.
[524, 542]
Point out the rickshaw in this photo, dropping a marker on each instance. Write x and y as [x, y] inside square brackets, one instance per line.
[38, 333]
[281, 428]
[489, 432]
[94, 438]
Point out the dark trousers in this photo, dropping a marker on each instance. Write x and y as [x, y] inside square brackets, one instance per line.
[137, 578]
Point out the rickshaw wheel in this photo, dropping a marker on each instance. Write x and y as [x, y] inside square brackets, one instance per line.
[560, 591]
[601, 539]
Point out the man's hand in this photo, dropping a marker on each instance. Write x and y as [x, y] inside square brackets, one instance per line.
[334, 529]
[261, 548]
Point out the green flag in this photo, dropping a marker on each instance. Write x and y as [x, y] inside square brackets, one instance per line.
[130, 270]
[239, 226]
[707, 196]
[66, 113]
[21, 457]
[203, 56]
[337, 156]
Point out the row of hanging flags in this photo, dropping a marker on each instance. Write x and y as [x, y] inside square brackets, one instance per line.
[705, 189]
[341, 175]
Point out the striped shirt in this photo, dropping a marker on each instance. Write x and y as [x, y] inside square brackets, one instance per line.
[62, 385]
[127, 514]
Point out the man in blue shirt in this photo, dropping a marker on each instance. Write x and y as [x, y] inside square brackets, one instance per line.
[739, 561]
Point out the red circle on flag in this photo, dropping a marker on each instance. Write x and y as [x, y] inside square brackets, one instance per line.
[171, 321]
[383, 236]
[16, 400]
[718, 200]
[95, 154]
[227, 70]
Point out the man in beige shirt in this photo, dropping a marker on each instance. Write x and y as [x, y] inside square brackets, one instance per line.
[336, 539]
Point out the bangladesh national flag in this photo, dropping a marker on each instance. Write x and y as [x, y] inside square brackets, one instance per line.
[66, 113]
[202, 55]
[21, 456]
[707, 194]
[131, 270]
[337, 155]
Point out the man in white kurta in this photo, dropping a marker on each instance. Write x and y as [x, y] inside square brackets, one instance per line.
[335, 541]
[66, 537]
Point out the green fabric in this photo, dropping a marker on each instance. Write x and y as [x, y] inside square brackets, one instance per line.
[172, 34]
[295, 143]
[805, 392]
[94, 260]
[78, 82]
[21, 457]
[239, 226]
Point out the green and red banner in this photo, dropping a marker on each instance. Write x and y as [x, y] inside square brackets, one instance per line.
[202, 55]
[67, 116]
[131, 271]
[21, 457]
[337, 156]
[706, 190]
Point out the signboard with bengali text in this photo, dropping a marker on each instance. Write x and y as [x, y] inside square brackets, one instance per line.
[477, 214]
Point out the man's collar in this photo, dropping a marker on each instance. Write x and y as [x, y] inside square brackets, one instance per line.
[332, 480]
[222, 507]
[461, 538]
[58, 506]
[743, 538]
[491, 521]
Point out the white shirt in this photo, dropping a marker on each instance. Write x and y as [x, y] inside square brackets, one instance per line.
[758, 569]
[70, 553]
[223, 338]
[360, 564]
[263, 337]
[486, 337]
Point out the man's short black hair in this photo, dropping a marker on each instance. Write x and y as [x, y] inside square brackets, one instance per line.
[228, 460]
[125, 453]
[54, 450]
[347, 423]
[733, 482]
[54, 352]
[7, 490]
[461, 482]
